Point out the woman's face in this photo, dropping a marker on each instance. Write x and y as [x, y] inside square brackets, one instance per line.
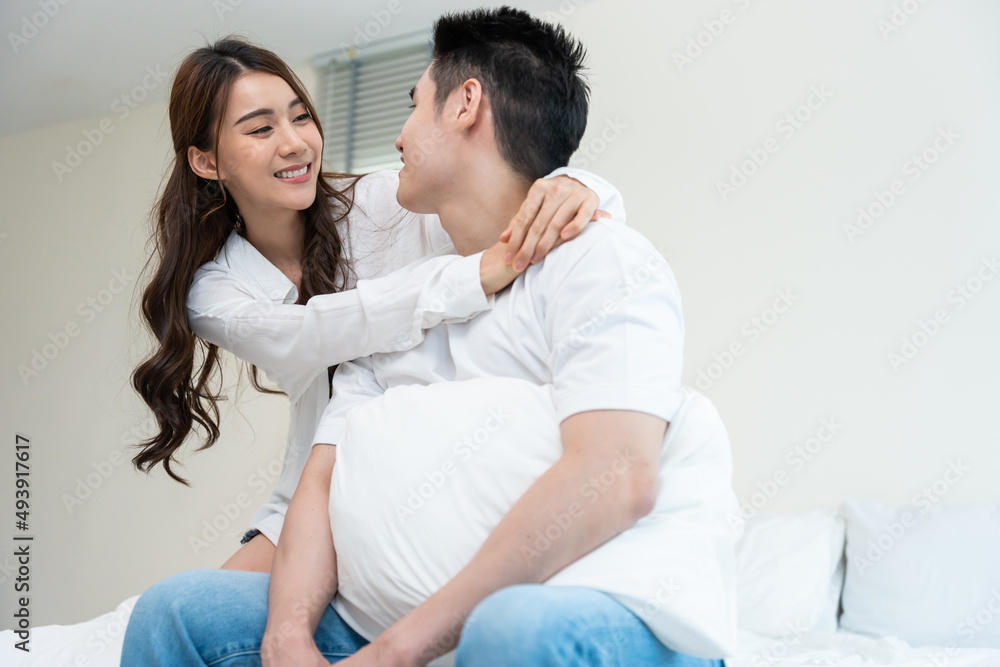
[270, 149]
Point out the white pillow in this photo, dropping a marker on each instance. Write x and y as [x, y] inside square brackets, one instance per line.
[829, 620]
[787, 566]
[425, 473]
[927, 574]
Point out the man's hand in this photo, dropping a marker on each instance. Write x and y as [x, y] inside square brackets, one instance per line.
[377, 654]
[304, 577]
[287, 653]
[556, 209]
[622, 443]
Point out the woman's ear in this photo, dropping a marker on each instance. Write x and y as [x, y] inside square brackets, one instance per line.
[202, 163]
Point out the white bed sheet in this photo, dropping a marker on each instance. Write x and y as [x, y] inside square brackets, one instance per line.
[98, 643]
[844, 648]
[94, 643]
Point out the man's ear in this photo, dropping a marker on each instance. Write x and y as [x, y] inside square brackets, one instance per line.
[471, 103]
[203, 164]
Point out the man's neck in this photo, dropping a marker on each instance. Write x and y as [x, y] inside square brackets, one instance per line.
[479, 209]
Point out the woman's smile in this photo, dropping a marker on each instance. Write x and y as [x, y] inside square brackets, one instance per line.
[299, 173]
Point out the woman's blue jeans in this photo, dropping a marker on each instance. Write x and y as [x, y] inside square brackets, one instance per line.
[217, 618]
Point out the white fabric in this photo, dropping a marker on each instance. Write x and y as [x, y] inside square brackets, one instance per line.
[829, 619]
[929, 574]
[98, 643]
[93, 643]
[244, 304]
[599, 322]
[786, 564]
[600, 319]
[414, 496]
[844, 649]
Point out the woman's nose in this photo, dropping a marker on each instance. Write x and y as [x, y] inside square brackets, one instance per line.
[291, 141]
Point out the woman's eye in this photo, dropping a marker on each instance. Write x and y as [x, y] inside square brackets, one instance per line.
[304, 116]
[266, 128]
[413, 106]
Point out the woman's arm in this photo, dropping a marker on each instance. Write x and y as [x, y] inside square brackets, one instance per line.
[293, 343]
[257, 555]
[304, 576]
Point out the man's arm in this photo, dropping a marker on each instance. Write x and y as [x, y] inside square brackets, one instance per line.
[613, 323]
[624, 443]
[304, 576]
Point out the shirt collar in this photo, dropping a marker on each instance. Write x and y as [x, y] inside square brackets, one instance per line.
[249, 265]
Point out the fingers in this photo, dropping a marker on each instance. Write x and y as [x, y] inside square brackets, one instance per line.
[555, 210]
[518, 227]
[566, 218]
[585, 214]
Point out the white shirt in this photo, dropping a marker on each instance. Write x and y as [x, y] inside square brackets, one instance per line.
[408, 279]
[600, 323]
[600, 319]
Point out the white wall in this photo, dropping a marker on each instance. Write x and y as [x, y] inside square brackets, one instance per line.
[668, 137]
[681, 129]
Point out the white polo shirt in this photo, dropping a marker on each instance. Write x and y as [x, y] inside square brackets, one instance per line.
[597, 326]
[406, 279]
[600, 319]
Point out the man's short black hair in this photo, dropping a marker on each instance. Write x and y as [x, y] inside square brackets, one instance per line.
[531, 72]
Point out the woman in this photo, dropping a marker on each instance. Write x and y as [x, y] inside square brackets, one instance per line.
[292, 270]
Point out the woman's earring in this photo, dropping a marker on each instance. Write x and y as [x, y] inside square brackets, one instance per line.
[239, 221]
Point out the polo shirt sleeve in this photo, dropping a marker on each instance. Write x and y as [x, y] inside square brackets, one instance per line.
[614, 326]
[611, 198]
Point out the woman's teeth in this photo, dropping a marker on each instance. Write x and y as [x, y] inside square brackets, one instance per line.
[293, 174]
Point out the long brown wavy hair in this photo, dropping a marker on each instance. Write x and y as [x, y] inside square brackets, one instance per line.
[192, 219]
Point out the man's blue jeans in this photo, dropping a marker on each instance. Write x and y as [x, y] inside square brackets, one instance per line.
[217, 618]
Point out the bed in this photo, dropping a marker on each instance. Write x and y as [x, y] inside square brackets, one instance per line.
[793, 580]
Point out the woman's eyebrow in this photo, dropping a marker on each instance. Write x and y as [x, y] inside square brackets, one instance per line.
[266, 112]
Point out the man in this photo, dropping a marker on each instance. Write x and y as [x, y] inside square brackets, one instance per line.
[600, 321]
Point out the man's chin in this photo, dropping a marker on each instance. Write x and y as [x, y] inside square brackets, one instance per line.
[407, 200]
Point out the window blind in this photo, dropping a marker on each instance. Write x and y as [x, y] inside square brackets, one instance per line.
[365, 100]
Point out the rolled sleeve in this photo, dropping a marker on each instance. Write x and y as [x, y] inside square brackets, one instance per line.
[270, 523]
[354, 383]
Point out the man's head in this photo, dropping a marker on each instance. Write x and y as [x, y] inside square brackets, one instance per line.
[521, 80]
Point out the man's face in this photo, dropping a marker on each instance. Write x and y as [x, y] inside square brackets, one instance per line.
[426, 149]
